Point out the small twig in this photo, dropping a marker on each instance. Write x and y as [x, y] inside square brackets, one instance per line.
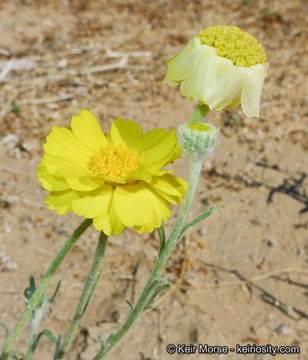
[5, 70]
[47, 100]
[131, 248]
[18, 64]
[107, 67]
[256, 278]
[115, 54]
[291, 311]
[8, 291]
[5, 52]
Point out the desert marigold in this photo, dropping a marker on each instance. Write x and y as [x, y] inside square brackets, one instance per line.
[116, 179]
[223, 67]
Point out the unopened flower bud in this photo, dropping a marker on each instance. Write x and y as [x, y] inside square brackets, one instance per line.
[199, 139]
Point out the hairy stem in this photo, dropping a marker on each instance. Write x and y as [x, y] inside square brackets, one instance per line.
[175, 237]
[11, 339]
[87, 292]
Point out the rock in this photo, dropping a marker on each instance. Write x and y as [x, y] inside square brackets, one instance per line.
[201, 231]
[271, 243]
[10, 141]
[13, 200]
[258, 357]
[283, 329]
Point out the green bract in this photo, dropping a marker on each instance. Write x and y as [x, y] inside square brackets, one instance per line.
[199, 139]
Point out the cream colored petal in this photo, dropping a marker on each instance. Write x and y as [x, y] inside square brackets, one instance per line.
[223, 65]
[202, 77]
[227, 89]
[252, 89]
[180, 65]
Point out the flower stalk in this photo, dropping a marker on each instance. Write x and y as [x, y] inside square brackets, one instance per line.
[11, 339]
[154, 284]
[89, 287]
[199, 114]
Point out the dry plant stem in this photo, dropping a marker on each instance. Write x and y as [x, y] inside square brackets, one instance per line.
[10, 341]
[175, 237]
[90, 284]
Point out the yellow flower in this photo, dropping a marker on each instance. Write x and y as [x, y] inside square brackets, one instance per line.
[222, 67]
[115, 179]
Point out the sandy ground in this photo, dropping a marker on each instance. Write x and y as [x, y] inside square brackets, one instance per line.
[238, 278]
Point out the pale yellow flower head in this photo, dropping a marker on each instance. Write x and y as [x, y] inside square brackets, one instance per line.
[116, 178]
[223, 67]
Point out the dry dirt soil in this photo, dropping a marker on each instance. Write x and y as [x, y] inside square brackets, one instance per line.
[240, 277]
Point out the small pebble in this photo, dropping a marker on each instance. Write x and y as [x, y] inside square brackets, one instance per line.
[10, 141]
[258, 357]
[295, 116]
[13, 200]
[31, 144]
[201, 231]
[11, 266]
[283, 329]
[3, 258]
[52, 106]
[300, 252]
[62, 63]
[271, 242]
[224, 254]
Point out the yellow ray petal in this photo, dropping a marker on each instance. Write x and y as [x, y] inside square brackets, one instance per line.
[61, 200]
[145, 228]
[109, 223]
[87, 130]
[169, 187]
[63, 146]
[151, 139]
[125, 131]
[138, 205]
[81, 183]
[55, 165]
[140, 174]
[92, 204]
[159, 155]
[51, 182]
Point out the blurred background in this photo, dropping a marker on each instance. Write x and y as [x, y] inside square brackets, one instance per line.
[239, 277]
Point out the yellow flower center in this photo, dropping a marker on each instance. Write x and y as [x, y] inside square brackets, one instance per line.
[234, 44]
[114, 162]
